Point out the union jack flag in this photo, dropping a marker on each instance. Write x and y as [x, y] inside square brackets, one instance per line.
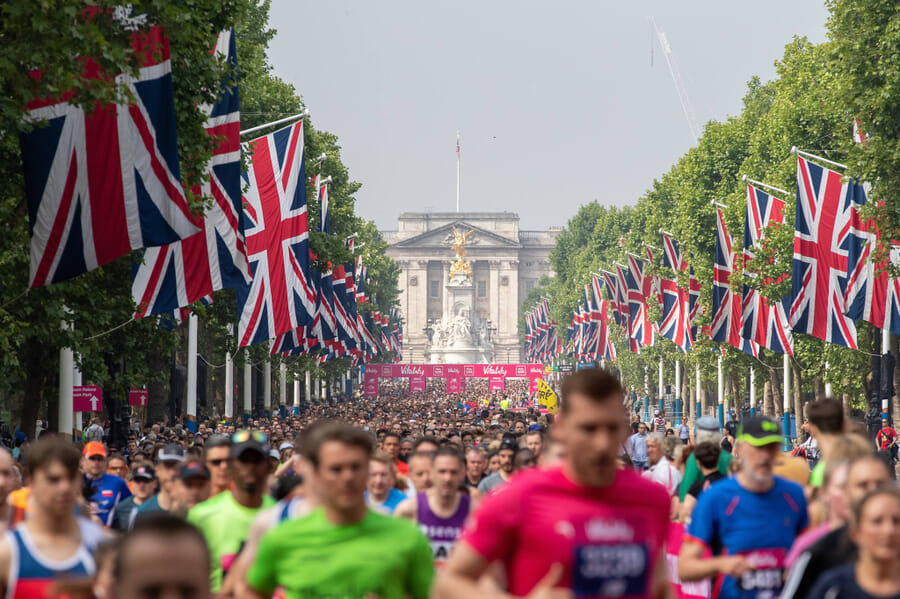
[726, 320]
[181, 273]
[280, 297]
[324, 225]
[821, 246]
[763, 322]
[872, 294]
[640, 287]
[104, 183]
[675, 324]
[606, 349]
[624, 299]
[612, 290]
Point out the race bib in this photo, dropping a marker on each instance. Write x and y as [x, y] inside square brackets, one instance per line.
[765, 579]
[610, 570]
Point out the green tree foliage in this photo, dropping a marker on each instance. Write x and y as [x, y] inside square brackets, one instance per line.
[115, 352]
[806, 106]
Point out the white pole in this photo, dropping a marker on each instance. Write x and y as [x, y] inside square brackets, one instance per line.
[282, 384]
[829, 389]
[677, 393]
[191, 393]
[660, 387]
[885, 349]
[786, 383]
[307, 386]
[229, 380]
[76, 382]
[753, 390]
[66, 371]
[457, 171]
[697, 392]
[720, 391]
[248, 383]
[296, 392]
[267, 386]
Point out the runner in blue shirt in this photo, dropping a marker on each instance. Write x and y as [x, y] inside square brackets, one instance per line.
[749, 521]
[103, 491]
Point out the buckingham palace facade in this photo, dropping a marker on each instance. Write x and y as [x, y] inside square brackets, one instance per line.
[506, 263]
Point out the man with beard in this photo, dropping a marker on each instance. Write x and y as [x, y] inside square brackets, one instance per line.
[442, 510]
[507, 453]
[752, 517]
[226, 518]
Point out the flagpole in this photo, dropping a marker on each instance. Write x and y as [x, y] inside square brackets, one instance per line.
[191, 393]
[786, 384]
[248, 386]
[229, 379]
[286, 119]
[796, 150]
[65, 424]
[457, 171]
[747, 179]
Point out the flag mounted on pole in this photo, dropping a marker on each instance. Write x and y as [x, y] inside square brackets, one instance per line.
[763, 322]
[177, 275]
[821, 231]
[280, 297]
[675, 324]
[726, 320]
[104, 183]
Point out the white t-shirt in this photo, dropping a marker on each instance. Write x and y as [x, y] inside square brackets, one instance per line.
[665, 474]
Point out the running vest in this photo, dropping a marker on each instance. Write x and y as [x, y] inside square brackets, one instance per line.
[31, 575]
[441, 532]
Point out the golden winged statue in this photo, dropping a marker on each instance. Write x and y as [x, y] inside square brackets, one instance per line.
[459, 246]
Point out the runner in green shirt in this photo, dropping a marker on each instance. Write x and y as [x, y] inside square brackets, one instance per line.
[342, 549]
[226, 518]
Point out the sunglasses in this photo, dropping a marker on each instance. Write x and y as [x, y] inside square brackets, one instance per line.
[244, 435]
[218, 462]
[96, 458]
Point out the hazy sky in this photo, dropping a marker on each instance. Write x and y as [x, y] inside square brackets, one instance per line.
[556, 100]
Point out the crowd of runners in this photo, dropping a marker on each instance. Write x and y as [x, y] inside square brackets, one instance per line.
[419, 495]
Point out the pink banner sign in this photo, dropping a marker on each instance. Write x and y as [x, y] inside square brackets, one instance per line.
[138, 398]
[87, 398]
[453, 385]
[449, 371]
[533, 384]
[370, 384]
[496, 383]
[417, 383]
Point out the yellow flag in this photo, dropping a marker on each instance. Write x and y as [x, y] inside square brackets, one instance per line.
[547, 397]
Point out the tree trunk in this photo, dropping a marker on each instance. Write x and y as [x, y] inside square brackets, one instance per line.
[895, 400]
[819, 388]
[768, 409]
[37, 364]
[775, 387]
[157, 391]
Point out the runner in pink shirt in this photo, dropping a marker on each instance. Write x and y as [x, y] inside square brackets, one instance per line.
[584, 528]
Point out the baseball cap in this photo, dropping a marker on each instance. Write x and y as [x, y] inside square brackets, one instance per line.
[193, 469]
[273, 453]
[759, 431]
[246, 440]
[144, 473]
[93, 448]
[173, 452]
[535, 427]
[508, 444]
[285, 445]
[708, 423]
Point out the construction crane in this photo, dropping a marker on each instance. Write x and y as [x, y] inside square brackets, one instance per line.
[676, 78]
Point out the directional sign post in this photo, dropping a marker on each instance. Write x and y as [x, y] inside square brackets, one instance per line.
[87, 398]
[138, 398]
